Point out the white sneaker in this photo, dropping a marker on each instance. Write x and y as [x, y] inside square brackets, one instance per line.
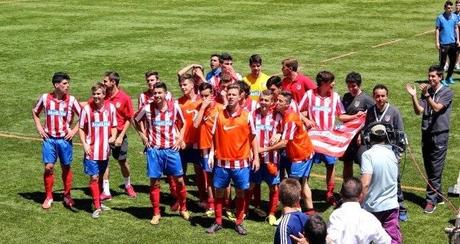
[457, 66]
[97, 213]
[105, 208]
[446, 66]
[47, 203]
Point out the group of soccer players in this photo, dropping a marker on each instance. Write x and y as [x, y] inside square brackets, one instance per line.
[232, 128]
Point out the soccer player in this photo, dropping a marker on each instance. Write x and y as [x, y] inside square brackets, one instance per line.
[125, 113]
[189, 103]
[98, 128]
[274, 85]
[299, 149]
[59, 108]
[293, 221]
[267, 124]
[204, 121]
[256, 79]
[294, 81]
[151, 77]
[353, 101]
[164, 142]
[227, 67]
[215, 63]
[246, 102]
[320, 107]
[234, 141]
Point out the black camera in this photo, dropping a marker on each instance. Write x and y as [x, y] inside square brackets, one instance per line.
[396, 138]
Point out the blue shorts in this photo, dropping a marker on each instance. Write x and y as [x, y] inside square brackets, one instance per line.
[94, 167]
[190, 155]
[320, 157]
[205, 165]
[300, 169]
[262, 174]
[52, 148]
[222, 177]
[163, 161]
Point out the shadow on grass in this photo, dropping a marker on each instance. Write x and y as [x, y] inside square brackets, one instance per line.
[414, 198]
[38, 197]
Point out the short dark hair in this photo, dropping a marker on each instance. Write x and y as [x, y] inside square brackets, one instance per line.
[235, 86]
[290, 192]
[113, 75]
[160, 84]
[324, 77]
[245, 87]
[226, 56]
[316, 230]
[255, 58]
[58, 77]
[186, 76]
[354, 77]
[287, 95]
[351, 189]
[291, 63]
[266, 92]
[274, 80]
[203, 86]
[218, 56]
[436, 68]
[150, 73]
[380, 86]
[448, 3]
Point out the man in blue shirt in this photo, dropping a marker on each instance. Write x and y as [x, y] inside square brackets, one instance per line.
[293, 220]
[447, 39]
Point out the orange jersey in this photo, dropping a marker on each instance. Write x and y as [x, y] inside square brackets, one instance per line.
[232, 137]
[206, 124]
[189, 110]
[299, 146]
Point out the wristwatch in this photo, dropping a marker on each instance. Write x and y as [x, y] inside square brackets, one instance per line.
[426, 96]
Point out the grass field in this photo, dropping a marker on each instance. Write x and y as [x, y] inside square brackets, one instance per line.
[389, 42]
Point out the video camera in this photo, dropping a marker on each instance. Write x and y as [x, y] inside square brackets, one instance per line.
[396, 138]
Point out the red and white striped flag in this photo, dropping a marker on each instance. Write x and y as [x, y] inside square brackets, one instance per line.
[335, 143]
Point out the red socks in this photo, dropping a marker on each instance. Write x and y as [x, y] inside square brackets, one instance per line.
[182, 195]
[172, 186]
[200, 182]
[256, 193]
[218, 209]
[155, 199]
[273, 203]
[67, 177]
[48, 179]
[95, 192]
[240, 207]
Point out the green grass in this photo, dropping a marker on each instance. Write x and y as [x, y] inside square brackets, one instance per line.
[86, 38]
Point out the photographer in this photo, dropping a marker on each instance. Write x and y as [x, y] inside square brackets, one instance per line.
[385, 113]
[435, 105]
[379, 173]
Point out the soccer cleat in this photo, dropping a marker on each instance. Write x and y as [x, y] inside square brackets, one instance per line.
[331, 200]
[105, 208]
[105, 197]
[444, 83]
[261, 213]
[403, 216]
[175, 207]
[68, 201]
[240, 229]
[214, 228]
[271, 220]
[429, 208]
[97, 213]
[47, 203]
[185, 215]
[209, 213]
[155, 219]
[450, 81]
[440, 202]
[230, 215]
[130, 191]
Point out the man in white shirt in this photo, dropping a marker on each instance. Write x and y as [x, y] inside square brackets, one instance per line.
[352, 224]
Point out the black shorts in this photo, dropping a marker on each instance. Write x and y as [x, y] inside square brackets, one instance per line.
[354, 151]
[120, 153]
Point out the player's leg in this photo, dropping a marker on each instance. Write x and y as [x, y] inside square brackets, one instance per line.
[330, 178]
[221, 181]
[155, 161]
[240, 178]
[91, 169]
[106, 195]
[125, 169]
[272, 178]
[49, 157]
[208, 181]
[65, 152]
[173, 166]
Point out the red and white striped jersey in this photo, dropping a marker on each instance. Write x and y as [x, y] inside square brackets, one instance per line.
[145, 98]
[322, 110]
[161, 125]
[59, 113]
[97, 125]
[266, 127]
[250, 105]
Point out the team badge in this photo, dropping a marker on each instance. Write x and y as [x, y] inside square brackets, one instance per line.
[298, 86]
[357, 104]
[387, 118]
[118, 105]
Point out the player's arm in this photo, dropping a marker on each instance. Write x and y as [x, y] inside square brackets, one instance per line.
[36, 117]
[139, 126]
[122, 133]
[180, 138]
[86, 146]
[76, 109]
[366, 173]
[204, 104]
[308, 123]
[348, 117]
[436, 38]
[255, 152]
[366, 181]
[418, 109]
